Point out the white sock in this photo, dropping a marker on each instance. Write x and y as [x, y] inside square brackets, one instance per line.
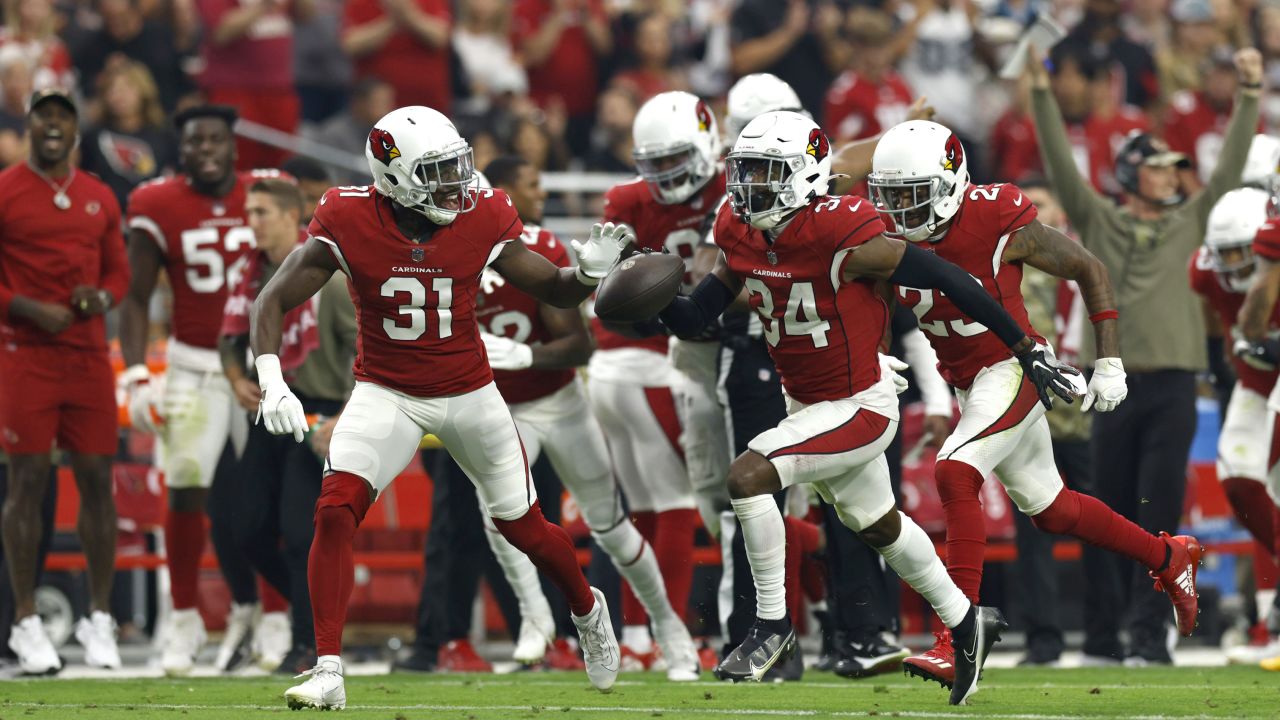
[638, 565]
[520, 572]
[637, 638]
[765, 536]
[330, 659]
[912, 556]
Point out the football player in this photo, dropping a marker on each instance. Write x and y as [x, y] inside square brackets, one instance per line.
[193, 226]
[920, 184]
[634, 390]
[413, 246]
[815, 270]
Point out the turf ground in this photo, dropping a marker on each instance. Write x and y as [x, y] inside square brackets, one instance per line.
[1011, 694]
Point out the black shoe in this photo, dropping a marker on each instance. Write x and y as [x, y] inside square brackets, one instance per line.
[971, 651]
[767, 643]
[871, 656]
[299, 660]
[788, 669]
[419, 660]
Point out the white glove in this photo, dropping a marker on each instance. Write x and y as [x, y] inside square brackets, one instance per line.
[505, 353]
[1107, 388]
[597, 257]
[892, 366]
[142, 393]
[279, 410]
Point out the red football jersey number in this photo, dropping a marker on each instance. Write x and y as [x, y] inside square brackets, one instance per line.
[938, 328]
[207, 271]
[413, 314]
[800, 318]
[683, 244]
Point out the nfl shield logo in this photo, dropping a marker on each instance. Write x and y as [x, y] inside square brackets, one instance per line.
[416, 254]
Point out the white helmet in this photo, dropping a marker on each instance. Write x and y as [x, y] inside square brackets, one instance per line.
[754, 95]
[1233, 222]
[919, 174]
[419, 160]
[782, 160]
[677, 145]
[1263, 162]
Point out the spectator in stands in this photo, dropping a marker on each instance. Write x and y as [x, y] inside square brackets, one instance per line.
[869, 97]
[313, 179]
[126, 31]
[654, 72]
[541, 143]
[1013, 152]
[1196, 119]
[1181, 63]
[482, 41]
[1097, 124]
[32, 26]
[1140, 451]
[611, 140]
[132, 142]
[321, 75]
[248, 57]
[562, 43]
[796, 40]
[348, 131]
[405, 43]
[1268, 32]
[1147, 23]
[16, 72]
[1100, 36]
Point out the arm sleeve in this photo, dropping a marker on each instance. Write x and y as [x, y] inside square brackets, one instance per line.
[688, 316]
[1226, 175]
[114, 276]
[921, 269]
[1080, 201]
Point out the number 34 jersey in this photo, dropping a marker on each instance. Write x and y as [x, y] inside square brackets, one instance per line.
[204, 241]
[415, 302]
[988, 217]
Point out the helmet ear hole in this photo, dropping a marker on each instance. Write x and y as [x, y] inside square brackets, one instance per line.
[391, 179]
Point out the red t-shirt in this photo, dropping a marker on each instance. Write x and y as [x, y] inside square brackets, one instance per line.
[857, 108]
[506, 311]
[261, 59]
[415, 302]
[570, 72]
[1014, 150]
[418, 72]
[46, 252]
[1227, 305]
[975, 242]
[823, 333]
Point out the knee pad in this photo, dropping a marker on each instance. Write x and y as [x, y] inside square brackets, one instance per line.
[957, 481]
[1061, 515]
[344, 490]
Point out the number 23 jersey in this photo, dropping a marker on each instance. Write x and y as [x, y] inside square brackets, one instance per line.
[415, 302]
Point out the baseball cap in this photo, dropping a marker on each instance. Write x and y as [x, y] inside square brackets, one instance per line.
[1148, 150]
[53, 95]
[1192, 11]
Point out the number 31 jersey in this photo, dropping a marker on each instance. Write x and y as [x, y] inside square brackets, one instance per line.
[988, 217]
[204, 241]
[415, 302]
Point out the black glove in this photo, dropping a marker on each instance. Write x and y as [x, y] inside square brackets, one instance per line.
[1047, 373]
[1263, 354]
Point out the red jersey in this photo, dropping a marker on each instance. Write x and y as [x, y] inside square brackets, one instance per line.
[975, 242]
[46, 252]
[508, 312]
[204, 241]
[1227, 305]
[418, 72]
[1267, 242]
[415, 302]
[678, 229]
[823, 333]
[262, 58]
[857, 108]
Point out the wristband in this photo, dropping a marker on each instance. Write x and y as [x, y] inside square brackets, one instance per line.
[1104, 315]
[269, 372]
[586, 279]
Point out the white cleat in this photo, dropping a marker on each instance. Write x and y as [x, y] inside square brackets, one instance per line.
[323, 688]
[182, 641]
[36, 654]
[239, 625]
[272, 640]
[536, 632]
[678, 651]
[97, 633]
[599, 645]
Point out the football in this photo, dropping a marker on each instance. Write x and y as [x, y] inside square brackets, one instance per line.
[639, 286]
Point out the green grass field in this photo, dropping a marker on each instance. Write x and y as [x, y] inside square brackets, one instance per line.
[1032, 694]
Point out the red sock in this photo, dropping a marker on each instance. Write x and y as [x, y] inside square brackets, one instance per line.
[633, 613]
[344, 499]
[1264, 567]
[552, 551]
[813, 573]
[1253, 508]
[184, 534]
[958, 486]
[673, 544]
[1088, 518]
[272, 600]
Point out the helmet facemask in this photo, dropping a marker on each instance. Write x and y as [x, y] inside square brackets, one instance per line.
[1233, 264]
[441, 186]
[760, 188]
[908, 204]
[673, 174]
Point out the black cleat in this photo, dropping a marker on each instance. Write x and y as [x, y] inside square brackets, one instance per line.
[299, 659]
[763, 648]
[971, 652]
[871, 656]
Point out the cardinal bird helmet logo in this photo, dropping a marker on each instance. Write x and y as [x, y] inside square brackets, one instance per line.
[952, 154]
[819, 146]
[383, 146]
[704, 116]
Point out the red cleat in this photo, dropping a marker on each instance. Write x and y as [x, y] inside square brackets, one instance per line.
[708, 658]
[633, 661]
[563, 656]
[938, 663]
[1179, 579]
[460, 657]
